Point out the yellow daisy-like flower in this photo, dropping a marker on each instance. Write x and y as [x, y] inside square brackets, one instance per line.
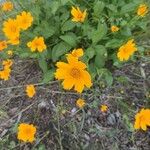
[126, 50]
[78, 15]
[7, 6]
[10, 52]
[76, 53]
[80, 103]
[103, 108]
[142, 10]
[114, 28]
[37, 44]
[5, 74]
[14, 41]
[7, 63]
[11, 29]
[30, 90]
[74, 74]
[142, 119]
[25, 20]
[3, 45]
[26, 132]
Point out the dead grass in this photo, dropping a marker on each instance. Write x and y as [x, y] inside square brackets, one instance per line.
[63, 126]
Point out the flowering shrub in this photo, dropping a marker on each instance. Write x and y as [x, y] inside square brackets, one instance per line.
[73, 41]
[48, 30]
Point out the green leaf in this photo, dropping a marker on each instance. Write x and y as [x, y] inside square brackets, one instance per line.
[45, 29]
[109, 78]
[90, 52]
[99, 34]
[43, 64]
[69, 39]
[54, 6]
[128, 8]
[48, 76]
[59, 50]
[98, 8]
[114, 43]
[64, 2]
[68, 25]
[101, 56]
[100, 50]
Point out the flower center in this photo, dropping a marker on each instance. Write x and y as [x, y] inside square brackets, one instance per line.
[13, 29]
[80, 16]
[25, 21]
[27, 131]
[75, 73]
[37, 44]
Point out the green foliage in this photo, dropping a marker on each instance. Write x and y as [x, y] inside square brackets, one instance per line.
[52, 20]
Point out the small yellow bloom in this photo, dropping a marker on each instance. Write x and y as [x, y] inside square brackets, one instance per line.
[10, 52]
[5, 74]
[3, 45]
[7, 63]
[37, 44]
[26, 132]
[7, 6]
[11, 29]
[126, 50]
[142, 119]
[25, 20]
[76, 53]
[104, 108]
[142, 10]
[30, 90]
[114, 28]
[14, 41]
[74, 74]
[78, 15]
[80, 103]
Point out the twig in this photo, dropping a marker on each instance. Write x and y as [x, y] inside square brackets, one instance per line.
[21, 86]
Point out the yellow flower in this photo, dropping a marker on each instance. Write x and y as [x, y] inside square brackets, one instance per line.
[74, 74]
[25, 20]
[10, 52]
[26, 132]
[14, 41]
[37, 44]
[7, 63]
[126, 50]
[7, 6]
[78, 15]
[114, 28]
[76, 53]
[3, 45]
[142, 119]
[11, 29]
[142, 10]
[104, 108]
[5, 74]
[80, 103]
[30, 90]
